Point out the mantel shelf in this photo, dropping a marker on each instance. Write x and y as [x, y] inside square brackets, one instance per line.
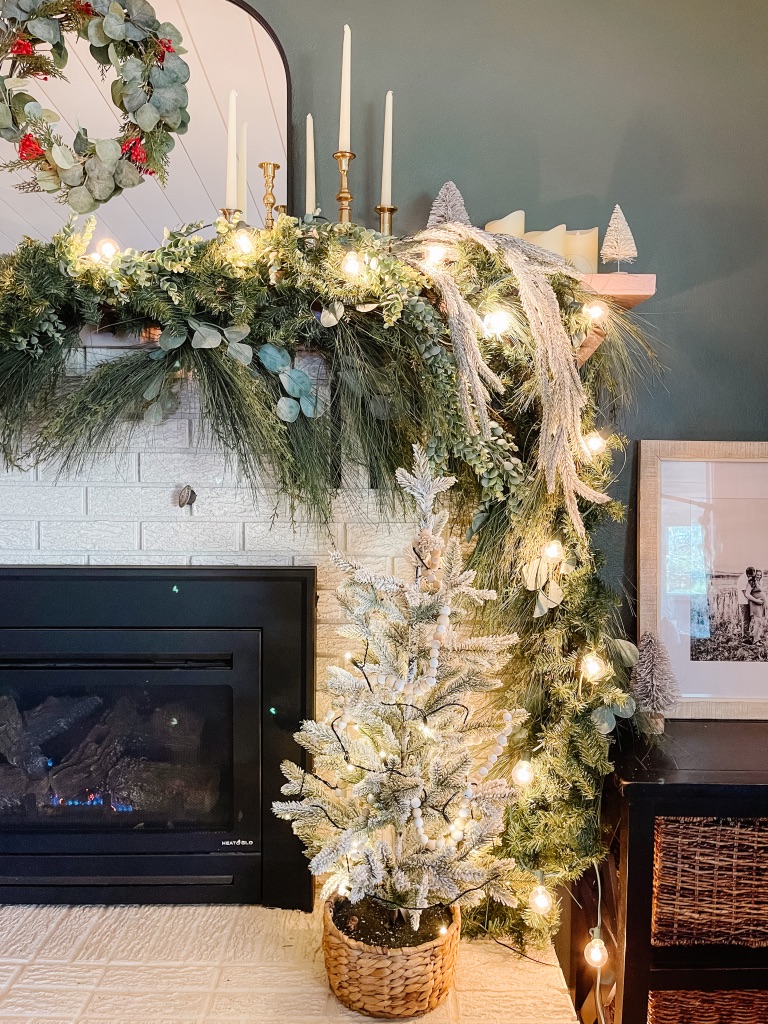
[627, 290]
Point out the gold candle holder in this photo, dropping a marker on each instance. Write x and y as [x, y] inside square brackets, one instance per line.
[270, 169]
[231, 216]
[386, 213]
[344, 196]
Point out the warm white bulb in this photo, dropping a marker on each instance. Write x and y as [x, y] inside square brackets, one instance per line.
[522, 773]
[553, 551]
[348, 656]
[435, 254]
[350, 767]
[595, 953]
[540, 900]
[596, 443]
[595, 310]
[497, 322]
[243, 241]
[593, 667]
[351, 265]
[443, 930]
[107, 249]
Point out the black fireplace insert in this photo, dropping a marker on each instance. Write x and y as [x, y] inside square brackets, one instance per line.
[144, 714]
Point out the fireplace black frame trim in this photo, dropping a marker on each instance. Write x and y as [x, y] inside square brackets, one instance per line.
[66, 598]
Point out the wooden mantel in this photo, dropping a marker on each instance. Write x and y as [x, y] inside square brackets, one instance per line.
[627, 290]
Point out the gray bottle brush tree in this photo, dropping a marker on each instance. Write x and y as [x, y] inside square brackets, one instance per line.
[618, 244]
[653, 680]
[448, 207]
[398, 806]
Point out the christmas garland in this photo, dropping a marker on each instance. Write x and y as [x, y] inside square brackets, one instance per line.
[149, 90]
[318, 349]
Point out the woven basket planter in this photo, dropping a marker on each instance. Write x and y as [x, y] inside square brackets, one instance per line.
[710, 882]
[390, 982]
[690, 1007]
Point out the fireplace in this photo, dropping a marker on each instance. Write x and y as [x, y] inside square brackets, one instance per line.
[144, 714]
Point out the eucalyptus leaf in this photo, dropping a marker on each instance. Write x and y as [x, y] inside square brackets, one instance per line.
[169, 402]
[101, 187]
[555, 592]
[96, 34]
[50, 116]
[141, 13]
[47, 29]
[627, 652]
[603, 720]
[82, 143]
[313, 406]
[48, 180]
[81, 200]
[132, 70]
[479, 519]
[146, 117]
[238, 332]
[297, 383]
[288, 409]
[133, 33]
[173, 120]
[274, 358]
[206, 337]
[240, 353]
[63, 157]
[625, 710]
[33, 109]
[153, 389]
[154, 415]
[535, 574]
[543, 605]
[174, 65]
[331, 315]
[59, 55]
[74, 175]
[568, 564]
[169, 341]
[134, 98]
[165, 30]
[126, 175]
[19, 100]
[6, 117]
[15, 82]
[101, 54]
[367, 307]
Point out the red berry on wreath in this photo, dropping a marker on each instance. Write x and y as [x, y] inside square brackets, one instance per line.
[164, 46]
[29, 149]
[22, 48]
[84, 8]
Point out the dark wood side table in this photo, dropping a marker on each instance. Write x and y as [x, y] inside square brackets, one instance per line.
[700, 769]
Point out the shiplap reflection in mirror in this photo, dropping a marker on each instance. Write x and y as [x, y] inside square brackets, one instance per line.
[227, 49]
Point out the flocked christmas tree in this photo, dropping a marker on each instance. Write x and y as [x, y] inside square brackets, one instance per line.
[618, 244]
[398, 806]
[448, 207]
[653, 680]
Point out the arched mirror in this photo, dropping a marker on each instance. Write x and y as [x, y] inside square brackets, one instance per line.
[228, 48]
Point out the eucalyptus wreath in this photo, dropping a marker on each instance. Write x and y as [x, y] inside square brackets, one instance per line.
[319, 349]
[149, 89]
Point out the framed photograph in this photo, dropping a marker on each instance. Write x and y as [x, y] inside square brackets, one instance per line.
[703, 571]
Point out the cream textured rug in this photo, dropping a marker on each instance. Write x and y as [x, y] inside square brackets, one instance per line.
[225, 965]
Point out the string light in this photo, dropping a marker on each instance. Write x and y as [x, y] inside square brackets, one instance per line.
[106, 250]
[351, 265]
[595, 952]
[497, 322]
[553, 551]
[443, 930]
[593, 667]
[522, 773]
[595, 310]
[348, 656]
[540, 899]
[434, 255]
[596, 443]
[243, 241]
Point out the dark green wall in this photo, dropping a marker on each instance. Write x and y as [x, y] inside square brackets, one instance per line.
[564, 109]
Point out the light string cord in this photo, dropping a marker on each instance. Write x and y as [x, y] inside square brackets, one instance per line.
[598, 975]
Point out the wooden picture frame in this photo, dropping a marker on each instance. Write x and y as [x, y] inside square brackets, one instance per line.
[702, 511]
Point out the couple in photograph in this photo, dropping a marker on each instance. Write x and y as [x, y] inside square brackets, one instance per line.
[752, 604]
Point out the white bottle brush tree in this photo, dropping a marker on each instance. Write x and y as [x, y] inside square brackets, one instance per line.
[619, 243]
[398, 807]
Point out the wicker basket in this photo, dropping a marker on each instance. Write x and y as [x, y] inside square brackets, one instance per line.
[691, 1007]
[710, 882]
[394, 983]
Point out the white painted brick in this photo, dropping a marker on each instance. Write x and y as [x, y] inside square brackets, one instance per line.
[190, 535]
[301, 540]
[42, 557]
[118, 467]
[330, 578]
[89, 535]
[132, 558]
[236, 502]
[14, 534]
[174, 433]
[240, 558]
[135, 503]
[35, 502]
[328, 607]
[190, 467]
[17, 476]
[363, 507]
[384, 539]
[329, 643]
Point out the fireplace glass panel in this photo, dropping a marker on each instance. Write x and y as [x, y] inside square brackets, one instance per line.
[100, 756]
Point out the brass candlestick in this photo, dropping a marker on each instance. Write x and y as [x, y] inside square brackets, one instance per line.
[231, 216]
[344, 196]
[386, 213]
[270, 169]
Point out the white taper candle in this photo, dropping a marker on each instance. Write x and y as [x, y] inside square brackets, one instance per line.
[231, 196]
[242, 171]
[386, 163]
[311, 198]
[346, 92]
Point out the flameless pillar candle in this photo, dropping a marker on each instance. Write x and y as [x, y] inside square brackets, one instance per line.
[242, 171]
[345, 139]
[230, 201]
[311, 198]
[552, 240]
[386, 163]
[512, 224]
[581, 249]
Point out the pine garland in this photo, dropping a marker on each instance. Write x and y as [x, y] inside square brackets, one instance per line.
[242, 314]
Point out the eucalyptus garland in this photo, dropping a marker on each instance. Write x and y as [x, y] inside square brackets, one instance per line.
[149, 89]
[318, 348]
